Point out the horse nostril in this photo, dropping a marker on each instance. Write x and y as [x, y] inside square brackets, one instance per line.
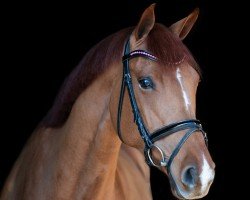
[189, 177]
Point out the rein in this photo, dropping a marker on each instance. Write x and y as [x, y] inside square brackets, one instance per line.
[191, 125]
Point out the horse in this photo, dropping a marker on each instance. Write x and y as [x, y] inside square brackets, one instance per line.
[128, 105]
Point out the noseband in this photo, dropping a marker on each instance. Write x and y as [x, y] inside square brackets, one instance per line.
[191, 125]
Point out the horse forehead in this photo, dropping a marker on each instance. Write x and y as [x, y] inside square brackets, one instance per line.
[182, 73]
[170, 72]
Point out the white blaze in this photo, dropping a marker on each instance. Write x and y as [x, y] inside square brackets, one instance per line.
[206, 175]
[184, 93]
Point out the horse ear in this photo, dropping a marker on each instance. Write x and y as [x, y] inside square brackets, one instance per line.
[182, 27]
[145, 24]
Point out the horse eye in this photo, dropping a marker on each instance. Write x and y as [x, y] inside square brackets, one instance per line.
[146, 83]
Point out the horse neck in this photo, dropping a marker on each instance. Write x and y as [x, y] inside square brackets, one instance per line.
[90, 140]
[80, 159]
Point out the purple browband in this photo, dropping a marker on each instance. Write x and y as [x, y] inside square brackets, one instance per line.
[137, 53]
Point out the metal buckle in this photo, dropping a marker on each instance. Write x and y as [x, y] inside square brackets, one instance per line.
[163, 161]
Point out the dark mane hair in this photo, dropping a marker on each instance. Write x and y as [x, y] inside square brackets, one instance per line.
[160, 41]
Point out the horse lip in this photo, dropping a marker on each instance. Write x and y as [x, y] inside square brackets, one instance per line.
[175, 189]
[178, 194]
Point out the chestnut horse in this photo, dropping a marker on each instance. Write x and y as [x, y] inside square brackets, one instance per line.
[131, 97]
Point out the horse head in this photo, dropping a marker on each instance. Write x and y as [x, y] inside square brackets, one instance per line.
[161, 77]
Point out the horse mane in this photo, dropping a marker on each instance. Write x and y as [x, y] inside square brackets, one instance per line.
[161, 43]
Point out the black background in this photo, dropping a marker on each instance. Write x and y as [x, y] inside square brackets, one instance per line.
[42, 43]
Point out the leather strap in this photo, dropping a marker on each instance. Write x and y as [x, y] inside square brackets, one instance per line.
[173, 128]
[127, 81]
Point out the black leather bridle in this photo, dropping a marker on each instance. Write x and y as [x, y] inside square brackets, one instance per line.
[191, 125]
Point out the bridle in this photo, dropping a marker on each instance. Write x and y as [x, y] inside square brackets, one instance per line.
[191, 125]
